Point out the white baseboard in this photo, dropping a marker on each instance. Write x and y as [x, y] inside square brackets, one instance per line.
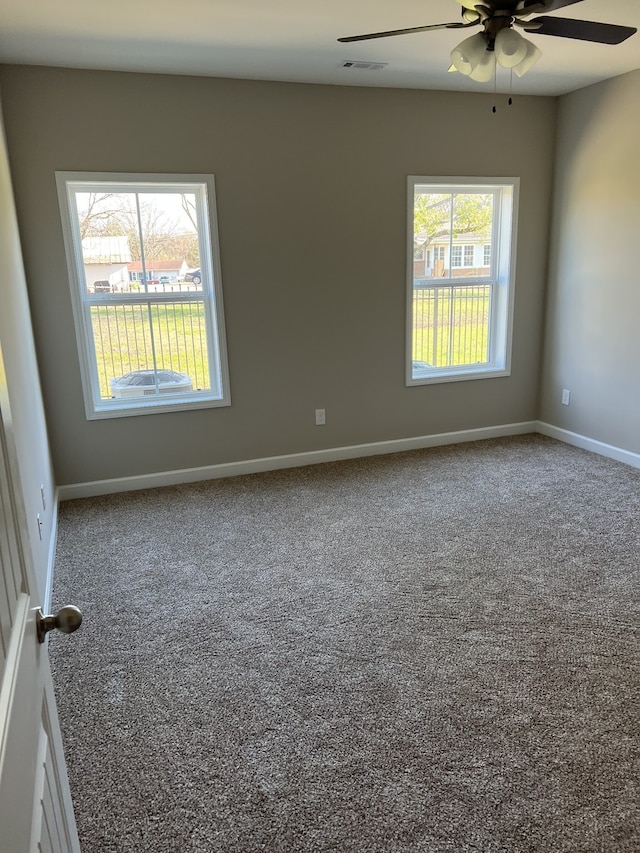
[334, 454]
[291, 460]
[591, 444]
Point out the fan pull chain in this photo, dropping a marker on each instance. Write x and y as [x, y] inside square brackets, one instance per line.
[494, 108]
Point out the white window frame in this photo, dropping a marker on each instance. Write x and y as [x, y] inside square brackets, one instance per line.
[203, 186]
[501, 276]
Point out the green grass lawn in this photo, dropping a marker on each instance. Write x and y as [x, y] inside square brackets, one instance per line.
[139, 337]
[451, 325]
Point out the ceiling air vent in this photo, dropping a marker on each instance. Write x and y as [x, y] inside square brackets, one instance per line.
[366, 66]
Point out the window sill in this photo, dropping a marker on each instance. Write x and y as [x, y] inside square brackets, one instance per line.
[119, 409]
[456, 375]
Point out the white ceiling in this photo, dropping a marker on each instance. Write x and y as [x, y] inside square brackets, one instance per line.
[295, 40]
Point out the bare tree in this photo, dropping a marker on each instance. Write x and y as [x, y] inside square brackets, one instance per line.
[109, 215]
[189, 207]
[96, 217]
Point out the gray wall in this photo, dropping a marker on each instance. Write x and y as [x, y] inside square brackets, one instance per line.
[593, 327]
[311, 184]
[22, 385]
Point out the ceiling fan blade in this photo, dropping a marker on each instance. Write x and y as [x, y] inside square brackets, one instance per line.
[583, 30]
[529, 7]
[456, 26]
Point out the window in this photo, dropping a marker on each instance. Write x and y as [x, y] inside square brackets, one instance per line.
[456, 256]
[468, 256]
[459, 318]
[150, 331]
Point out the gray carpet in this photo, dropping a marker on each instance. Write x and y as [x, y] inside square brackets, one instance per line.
[430, 651]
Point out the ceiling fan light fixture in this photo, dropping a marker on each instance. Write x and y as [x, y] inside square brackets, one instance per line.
[500, 44]
[532, 55]
[510, 48]
[469, 54]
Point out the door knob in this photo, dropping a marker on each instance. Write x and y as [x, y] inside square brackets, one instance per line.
[68, 619]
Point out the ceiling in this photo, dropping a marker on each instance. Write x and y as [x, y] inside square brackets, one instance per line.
[295, 40]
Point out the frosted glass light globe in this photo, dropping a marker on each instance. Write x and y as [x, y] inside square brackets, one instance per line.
[469, 53]
[485, 69]
[532, 55]
[510, 48]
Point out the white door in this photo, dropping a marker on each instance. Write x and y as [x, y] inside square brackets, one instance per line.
[36, 814]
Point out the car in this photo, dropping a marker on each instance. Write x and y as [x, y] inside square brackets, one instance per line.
[102, 286]
[194, 276]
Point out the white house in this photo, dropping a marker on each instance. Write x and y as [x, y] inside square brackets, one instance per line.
[159, 272]
[465, 254]
[106, 259]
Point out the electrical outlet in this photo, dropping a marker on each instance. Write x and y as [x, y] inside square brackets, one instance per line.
[320, 417]
[566, 397]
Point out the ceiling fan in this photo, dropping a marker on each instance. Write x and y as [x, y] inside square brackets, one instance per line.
[500, 42]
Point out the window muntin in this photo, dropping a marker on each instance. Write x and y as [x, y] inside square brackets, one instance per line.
[459, 308]
[150, 337]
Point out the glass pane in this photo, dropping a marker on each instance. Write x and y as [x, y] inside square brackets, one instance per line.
[136, 242]
[168, 223]
[150, 349]
[110, 240]
[432, 214]
[450, 231]
[472, 227]
[450, 326]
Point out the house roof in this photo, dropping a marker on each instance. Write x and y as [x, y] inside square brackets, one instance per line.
[106, 250]
[470, 237]
[164, 266]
